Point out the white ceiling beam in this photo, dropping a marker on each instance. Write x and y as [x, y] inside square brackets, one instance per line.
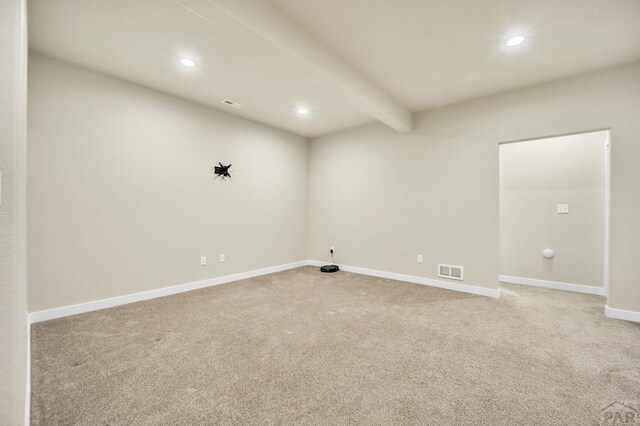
[273, 25]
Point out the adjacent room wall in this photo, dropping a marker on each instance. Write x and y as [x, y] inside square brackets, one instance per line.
[381, 197]
[536, 176]
[13, 280]
[122, 197]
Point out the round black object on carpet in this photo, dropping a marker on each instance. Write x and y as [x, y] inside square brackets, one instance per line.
[329, 268]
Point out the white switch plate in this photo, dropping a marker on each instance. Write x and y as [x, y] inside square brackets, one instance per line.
[562, 208]
[419, 259]
[223, 258]
[203, 260]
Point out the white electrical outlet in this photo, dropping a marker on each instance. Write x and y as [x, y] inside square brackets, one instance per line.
[203, 260]
[223, 258]
[562, 208]
[419, 259]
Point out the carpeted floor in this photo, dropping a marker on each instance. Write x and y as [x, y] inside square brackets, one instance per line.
[301, 347]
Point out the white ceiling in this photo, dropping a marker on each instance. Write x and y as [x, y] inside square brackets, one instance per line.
[372, 59]
[429, 53]
[143, 40]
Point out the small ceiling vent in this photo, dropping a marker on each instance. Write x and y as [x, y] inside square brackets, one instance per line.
[451, 271]
[229, 102]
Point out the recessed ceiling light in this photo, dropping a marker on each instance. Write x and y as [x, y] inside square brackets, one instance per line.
[187, 62]
[303, 111]
[514, 41]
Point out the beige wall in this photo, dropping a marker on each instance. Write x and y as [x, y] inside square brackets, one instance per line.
[381, 197]
[122, 197]
[536, 176]
[13, 284]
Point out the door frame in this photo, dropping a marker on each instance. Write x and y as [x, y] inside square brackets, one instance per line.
[607, 193]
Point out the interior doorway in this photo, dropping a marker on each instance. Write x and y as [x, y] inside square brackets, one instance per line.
[554, 212]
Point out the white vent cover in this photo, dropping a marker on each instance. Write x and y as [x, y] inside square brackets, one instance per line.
[450, 271]
[231, 103]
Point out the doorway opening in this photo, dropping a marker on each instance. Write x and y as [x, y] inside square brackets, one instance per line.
[554, 212]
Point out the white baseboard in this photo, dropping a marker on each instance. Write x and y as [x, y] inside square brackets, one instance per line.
[621, 314]
[556, 285]
[49, 314]
[456, 286]
[152, 294]
[27, 396]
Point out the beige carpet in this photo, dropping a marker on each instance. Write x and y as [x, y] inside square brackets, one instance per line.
[301, 347]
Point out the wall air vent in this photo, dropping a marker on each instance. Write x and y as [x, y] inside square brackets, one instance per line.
[229, 102]
[451, 271]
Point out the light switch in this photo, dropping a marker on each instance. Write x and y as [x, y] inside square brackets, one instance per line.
[563, 208]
